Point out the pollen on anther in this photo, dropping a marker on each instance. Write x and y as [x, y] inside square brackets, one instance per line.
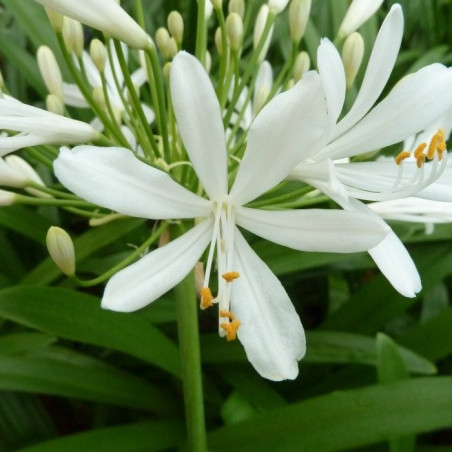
[228, 314]
[420, 159]
[230, 276]
[231, 329]
[402, 156]
[206, 298]
[420, 149]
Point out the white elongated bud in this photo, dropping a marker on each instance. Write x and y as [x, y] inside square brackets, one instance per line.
[277, 6]
[104, 15]
[302, 65]
[352, 56]
[73, 36]
[11, 177]
[162, 39]
[54, 105]
[61, 250]
[208, 8]
[263, 86]
[55, 19]
[299, 11]
[7, 198]
[358, 13]
[234, 30]
[259, 28]
[176, 26]
[50, 71]
[98, 54]
[219, 41]
[237, 6]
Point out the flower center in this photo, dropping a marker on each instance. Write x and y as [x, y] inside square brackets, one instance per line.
[223, 242]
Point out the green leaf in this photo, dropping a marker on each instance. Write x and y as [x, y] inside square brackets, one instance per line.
[63, 372]
[344, 419]
[24, 342]
[78, 316]
[150, 436]
[86, 245]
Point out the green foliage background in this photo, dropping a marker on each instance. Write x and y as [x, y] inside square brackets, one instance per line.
[378, 373]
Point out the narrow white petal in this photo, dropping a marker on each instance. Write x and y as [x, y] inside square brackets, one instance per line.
[379, 68]
[396, 264]
[147, 279]
[314, 229]
[414, 103]
[291, 127]
[358, 12]
[200, 123]
[270, 329]
[73, 96]
[332, 73]
[114, 178]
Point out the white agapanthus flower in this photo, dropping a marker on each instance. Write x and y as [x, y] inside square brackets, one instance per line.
[35, 126]
[104, 15]
[358, 12]
[412, 105]
[252, 302]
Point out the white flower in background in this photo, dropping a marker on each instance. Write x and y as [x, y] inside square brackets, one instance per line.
[277, 6]
[74, 97]
[104, 15]
[36, 126]
[412, 105]
[358, 12]
[252, 302]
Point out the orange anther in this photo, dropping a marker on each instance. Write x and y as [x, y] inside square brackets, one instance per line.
[420, 159]
[230, 276]
[206, 298]
[420, 149]
[231, 329]
[402, 156]
[227, 314]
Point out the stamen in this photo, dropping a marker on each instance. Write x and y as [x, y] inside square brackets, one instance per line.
[230, 276]
[231, 329]
[227, 314]
[206, 298]
[420, 160]
[420, 149]
[433, 145]
[402, 156]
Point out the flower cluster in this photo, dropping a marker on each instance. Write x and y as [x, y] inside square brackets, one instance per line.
[224, 140]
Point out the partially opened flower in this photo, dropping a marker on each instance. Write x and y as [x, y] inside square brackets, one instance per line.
[252, 302]
[35, 126]
[412, 105]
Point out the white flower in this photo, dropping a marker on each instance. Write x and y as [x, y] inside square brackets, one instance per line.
[104, 15]
[36, 126]
[358, 13]
[249, 294]
[412, 105]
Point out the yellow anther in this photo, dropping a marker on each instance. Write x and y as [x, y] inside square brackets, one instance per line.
[230, 276]
[227, 314]
[433, 146]
[420, 149]
[420, 159]
[402, 156]
[231, 329]
[206, 298]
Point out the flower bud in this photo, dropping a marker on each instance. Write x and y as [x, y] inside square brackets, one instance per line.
[54, 105]
[302, 65]
[50, 71]
[61, 250]
[166, 71]
[352, 56]
[263, 86]
[208, 62]
[73, 36]
[358, 12]
[298, 18]
[259, 27]
[234, 30]
[217, 4]
[98, 54]
[11, 177]
[99, 97]
[176, 26]
[219, 41]
[237, 6]
[7, 198]
[55, 18]
[277, 6]
[162, 39]
[208, 8]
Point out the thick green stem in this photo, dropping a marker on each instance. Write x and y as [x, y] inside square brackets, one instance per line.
[187, 319]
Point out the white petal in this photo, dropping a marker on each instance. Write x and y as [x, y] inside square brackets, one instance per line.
[200, 123]
[332, 73]
[114, 178]
[288, 129]
[73, 96]
[414, 103]
[314, 229]
[147, 279]
[358, 13]
[396, 264]
[379, 68]
[270, 329]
